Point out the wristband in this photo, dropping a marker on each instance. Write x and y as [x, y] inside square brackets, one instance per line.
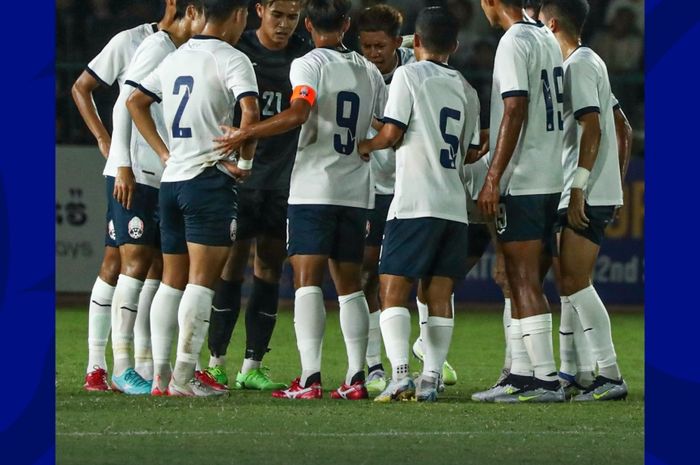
[244, 164]
[580, 178]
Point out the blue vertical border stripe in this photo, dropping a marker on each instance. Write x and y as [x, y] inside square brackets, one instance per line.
[27, 297]
[672, 374]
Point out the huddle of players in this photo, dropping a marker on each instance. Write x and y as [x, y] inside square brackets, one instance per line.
[430, 117]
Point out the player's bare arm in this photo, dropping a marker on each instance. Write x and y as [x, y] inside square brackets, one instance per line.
[250, 114]
[82, 95]
[514, 113]
[291, 118]
[389, 136]
[623, 131]
[588, 152]
[139, 105]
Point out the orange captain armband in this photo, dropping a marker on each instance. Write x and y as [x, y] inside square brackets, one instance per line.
[304, 92]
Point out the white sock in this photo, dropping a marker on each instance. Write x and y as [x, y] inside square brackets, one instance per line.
[395, 323]
[438, 336]
[220, 361]
[520, 360]
[585, 360]
[537, 336]
[249, 365]
[422, 322]
[143, 359]
[567, 350]
[354, 323]
[596, 325]
[125, 306]
[163, 327]
[193, 320]
[374, 340]
[309, 326]
[506, 326]
[99, 323]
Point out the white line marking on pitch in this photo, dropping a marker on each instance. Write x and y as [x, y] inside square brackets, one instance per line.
[333, 435]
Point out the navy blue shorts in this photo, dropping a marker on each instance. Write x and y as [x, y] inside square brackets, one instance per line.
[110, 232]
[529, 218]
[376, 220]
[262, 213]
[201, 210]
[422, 247]
[599, 218]
[138, 225]
[332, 230]
[479, 239]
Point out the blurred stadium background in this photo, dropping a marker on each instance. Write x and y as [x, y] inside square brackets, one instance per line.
[615, 29]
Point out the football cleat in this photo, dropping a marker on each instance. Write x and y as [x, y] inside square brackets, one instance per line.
[570, 385]
[538, 391]
[218, 372]
[403, 389]
[158, 388]
[604, 389]
[205, 378]
[427, 389]
[510, 384]
[355, 391]
[449, 374]
[376, 382]
[193, 388]
[296, 391]
[96, 380]
[258, 380]
[131, 383]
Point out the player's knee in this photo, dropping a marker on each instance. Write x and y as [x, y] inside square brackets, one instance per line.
[571, 284]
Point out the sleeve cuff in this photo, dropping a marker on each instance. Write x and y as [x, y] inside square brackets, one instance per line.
[97, 78]
[246, 94]
[474, 146]
[616, 107]
[397, 123]
[149, 93]
[133, 84]
[585, 111]
[514, 93]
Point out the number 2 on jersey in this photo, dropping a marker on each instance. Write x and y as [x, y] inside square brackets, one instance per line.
[448, 156]
[558, 74]
[346, 115]
[188, 83]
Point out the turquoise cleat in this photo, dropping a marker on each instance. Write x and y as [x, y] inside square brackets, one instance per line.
[131, 383]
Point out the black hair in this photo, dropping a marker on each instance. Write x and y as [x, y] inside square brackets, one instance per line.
[437, 29]
[571, 14]
[536, 5]
[220, 10]
[380, 18]
[181, 7]
[328, 15]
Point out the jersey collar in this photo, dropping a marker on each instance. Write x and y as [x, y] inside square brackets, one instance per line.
[444, 65]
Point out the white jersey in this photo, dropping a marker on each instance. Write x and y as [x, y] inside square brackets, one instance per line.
[439, 111]
[129, 148]
[349, 92]
[199, 84]
[383, 162]
[529, 63]
[587, 89]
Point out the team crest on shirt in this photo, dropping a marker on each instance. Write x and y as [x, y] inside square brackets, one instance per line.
[232, 229]
[135, 227]
[110, 230]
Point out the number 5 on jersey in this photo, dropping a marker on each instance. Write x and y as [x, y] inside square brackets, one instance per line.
[188, 83]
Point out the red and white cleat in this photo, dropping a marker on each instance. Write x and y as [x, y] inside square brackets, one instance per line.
[295, 391]
[158, 388]
[355, 391]
[96, 380]
[205, 378]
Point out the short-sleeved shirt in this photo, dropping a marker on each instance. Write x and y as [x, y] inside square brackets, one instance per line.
[586, 90]
[274, 156]
[129, 148]
[383, 162]
[198, 84]
[439, 111]
[529, 64]
[349, 93]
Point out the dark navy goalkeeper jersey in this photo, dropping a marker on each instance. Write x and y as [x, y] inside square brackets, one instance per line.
[274, 156]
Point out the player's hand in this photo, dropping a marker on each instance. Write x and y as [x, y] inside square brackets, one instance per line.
[483, 142]
[124, 186]
[235, 171]
[164, 157]
[103, 145]
[364, 148]
[489, 197]
[230, 141]
[576, 216]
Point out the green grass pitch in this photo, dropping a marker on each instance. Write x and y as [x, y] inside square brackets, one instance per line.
[252, 428]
